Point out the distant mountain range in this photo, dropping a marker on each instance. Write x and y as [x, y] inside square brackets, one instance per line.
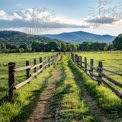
[80, 36]
[16, 37]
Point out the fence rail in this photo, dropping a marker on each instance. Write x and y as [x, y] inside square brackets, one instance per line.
[99, 75]
[43, 64]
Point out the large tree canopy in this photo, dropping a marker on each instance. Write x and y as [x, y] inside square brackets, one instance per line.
[117, 43]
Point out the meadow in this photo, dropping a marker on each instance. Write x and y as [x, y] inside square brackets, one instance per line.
[69, 96]
[111, 60]
[20, 60]
[26, 98]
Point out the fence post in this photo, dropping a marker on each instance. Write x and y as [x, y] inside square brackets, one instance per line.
[85, 61]
[76, 59]
[40, 60]
[27, 70]
[49, 61]
[81, 61]
[92, 64]
[11, 80]
[34, 64]
[73, 57]
[100, 66]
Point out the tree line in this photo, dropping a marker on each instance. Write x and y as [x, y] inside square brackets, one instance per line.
[56, 45]
[51, 46]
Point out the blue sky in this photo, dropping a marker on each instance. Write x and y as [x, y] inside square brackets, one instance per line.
[57, 16]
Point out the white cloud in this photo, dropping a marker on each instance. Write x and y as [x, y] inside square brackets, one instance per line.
[102, 20]
[17, 16]
[40, 20]
[4, 16]
[37, 18]
[2, 13]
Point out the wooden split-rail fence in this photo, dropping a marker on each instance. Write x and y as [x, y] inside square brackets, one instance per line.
[12, 70]
[100, 77]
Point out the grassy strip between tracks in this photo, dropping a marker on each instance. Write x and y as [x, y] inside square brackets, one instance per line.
[68, 104]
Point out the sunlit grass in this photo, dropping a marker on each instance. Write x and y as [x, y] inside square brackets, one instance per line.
[105, 97]
[20, 60]
[112, 61]
[25, 99]
[68, 96]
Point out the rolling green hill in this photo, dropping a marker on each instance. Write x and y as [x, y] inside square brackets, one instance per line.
[19, 38]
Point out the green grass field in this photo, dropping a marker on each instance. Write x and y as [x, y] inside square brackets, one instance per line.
[19, 59]
[66, 89]
[111, 61]
[68, 95]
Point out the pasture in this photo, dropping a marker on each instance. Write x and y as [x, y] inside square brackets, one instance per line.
[76, 96]
[20, 60]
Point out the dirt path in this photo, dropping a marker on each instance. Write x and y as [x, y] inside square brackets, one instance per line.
[94, 107]
[92, 103]
[39, 114]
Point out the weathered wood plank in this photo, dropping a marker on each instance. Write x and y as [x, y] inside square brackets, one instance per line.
[22, 83]
[22, 68]
[37, 65]
[111, 71]
[110, 87]
[111, 80]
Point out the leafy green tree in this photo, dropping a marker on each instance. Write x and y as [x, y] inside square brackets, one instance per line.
[53, 46]
[35, 46]
[85, 46]
[73, 47]
[117, 43]
[25, 47]
[63, 46]
[3, 47]
[0, 48]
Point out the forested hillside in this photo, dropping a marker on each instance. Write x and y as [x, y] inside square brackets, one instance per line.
[15, 37]
[81, 36]
[13, 41]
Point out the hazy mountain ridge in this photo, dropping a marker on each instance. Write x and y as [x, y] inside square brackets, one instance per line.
[19, 38]
[80, 36]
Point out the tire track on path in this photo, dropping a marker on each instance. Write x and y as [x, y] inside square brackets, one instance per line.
[92, 103]
[39, 114]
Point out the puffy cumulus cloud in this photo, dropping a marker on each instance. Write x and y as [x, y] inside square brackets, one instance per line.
[101, 20]
[37, 18]
[4, 16]
[2, 13]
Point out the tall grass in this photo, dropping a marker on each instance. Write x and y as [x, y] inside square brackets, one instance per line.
[25, 99]
[106, 98]
[68, 103]
[19, 59]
